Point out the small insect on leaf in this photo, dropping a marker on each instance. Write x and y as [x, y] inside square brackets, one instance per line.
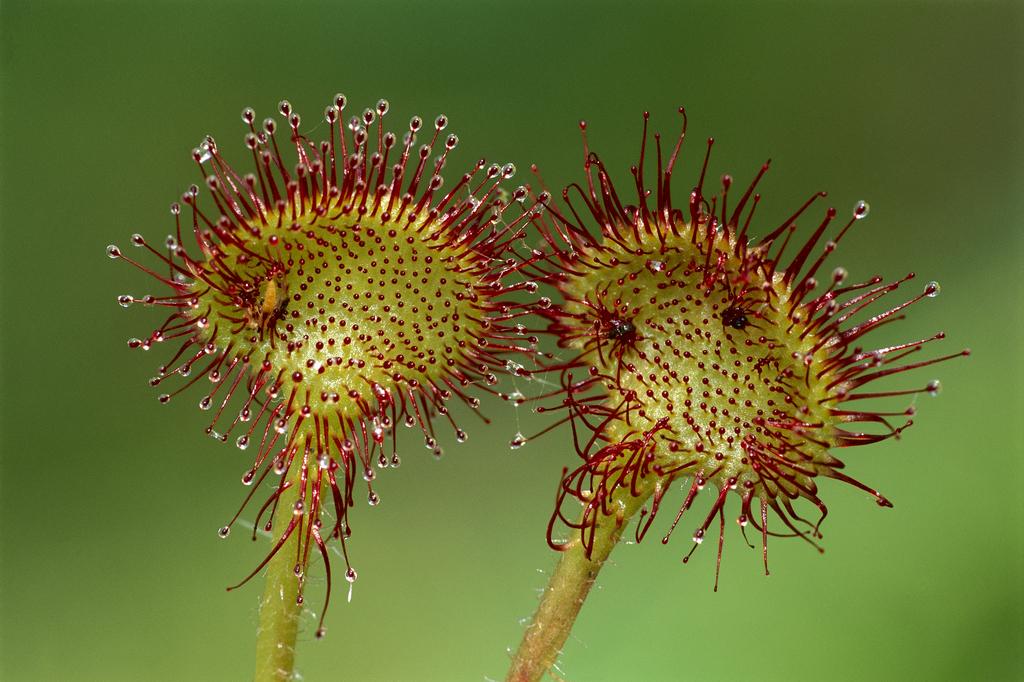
[269, 298]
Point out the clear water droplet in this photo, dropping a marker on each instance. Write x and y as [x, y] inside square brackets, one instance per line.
[224, 532]
[933, 289]
[861, 210]
[518, 441]
[655, 266]
[934, 387]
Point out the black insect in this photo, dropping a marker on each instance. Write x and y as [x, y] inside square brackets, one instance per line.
[735, 317]
[619, 329]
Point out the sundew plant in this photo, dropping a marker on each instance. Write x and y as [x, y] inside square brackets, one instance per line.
[319, 303]
[706, 355]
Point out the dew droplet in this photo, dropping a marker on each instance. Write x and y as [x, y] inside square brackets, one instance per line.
[934, 387]
[461, 435]
[932, 290]
[518, 441]
[861, 210]
[223, 532]
[125, 300]
[242, 442]
[113, 251]
[655, 265]
[351, 575]
[373, 499]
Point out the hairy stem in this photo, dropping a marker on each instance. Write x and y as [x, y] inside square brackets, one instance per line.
[279, 607]
[566, 590]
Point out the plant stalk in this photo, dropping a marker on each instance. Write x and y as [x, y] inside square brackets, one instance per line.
[566, 591]
[279, 608]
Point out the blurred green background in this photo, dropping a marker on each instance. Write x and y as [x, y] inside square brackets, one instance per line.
[111, 566]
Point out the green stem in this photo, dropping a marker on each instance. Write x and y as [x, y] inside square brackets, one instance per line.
[567, 589]
[279, 608]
